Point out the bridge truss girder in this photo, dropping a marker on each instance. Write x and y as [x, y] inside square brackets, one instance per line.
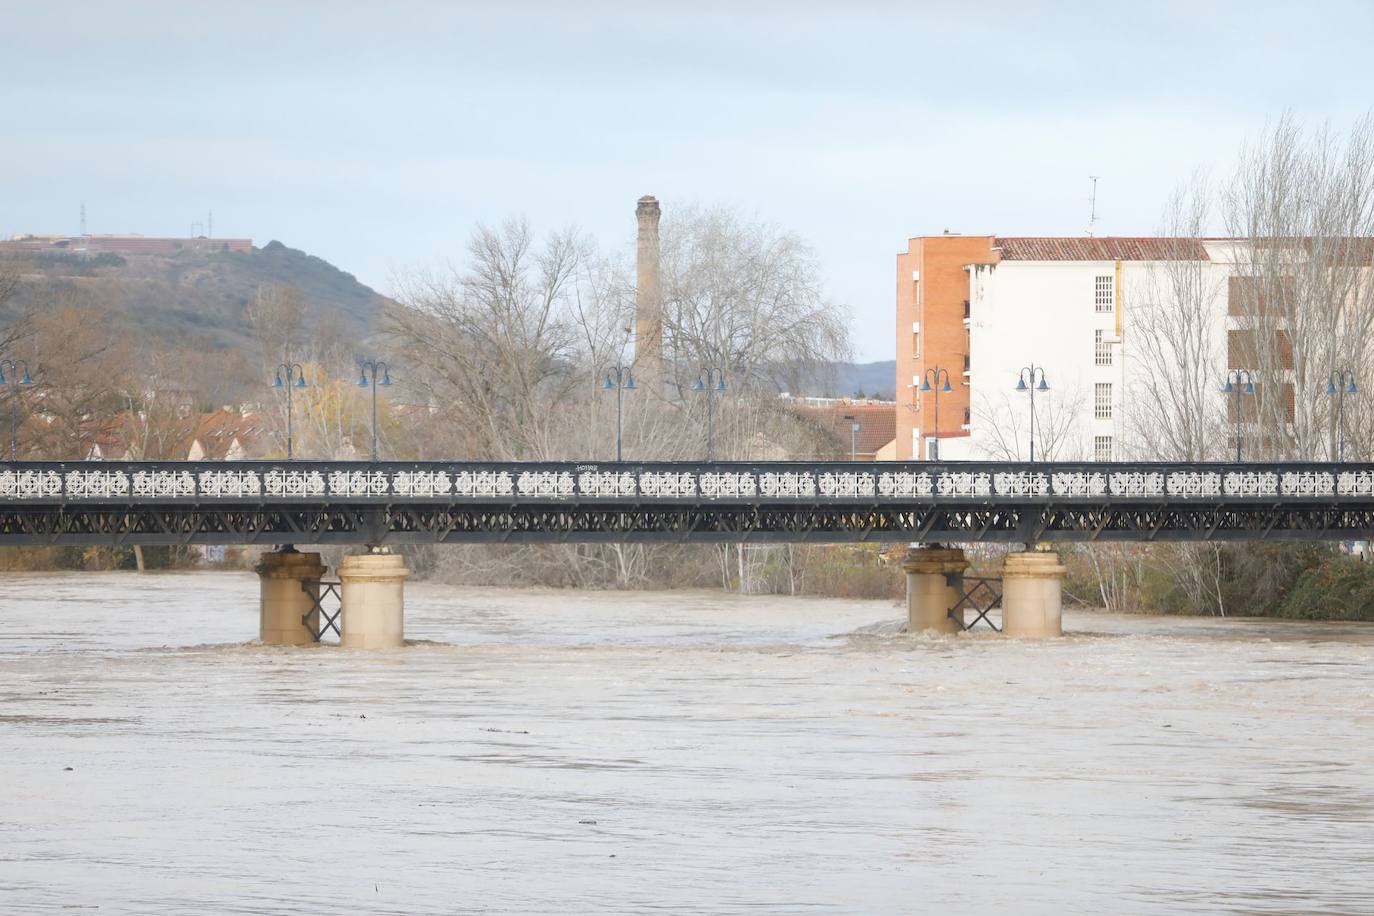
[449, 523]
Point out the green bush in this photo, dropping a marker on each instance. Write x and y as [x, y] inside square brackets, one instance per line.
[1341, 588]
[1258, 578]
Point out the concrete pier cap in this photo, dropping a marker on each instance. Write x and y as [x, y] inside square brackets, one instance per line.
[1032, 593]
[934, 584]
[290, 583]
[373, 599]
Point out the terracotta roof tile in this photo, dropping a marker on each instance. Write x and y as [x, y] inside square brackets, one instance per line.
[1108, 248]
[877, 423]
[218, 430]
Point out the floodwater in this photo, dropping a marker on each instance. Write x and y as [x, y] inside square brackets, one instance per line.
[567, 752]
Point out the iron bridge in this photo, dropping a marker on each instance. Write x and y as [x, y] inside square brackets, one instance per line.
[450, 502]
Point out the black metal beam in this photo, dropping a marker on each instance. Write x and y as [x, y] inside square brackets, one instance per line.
[430, 523]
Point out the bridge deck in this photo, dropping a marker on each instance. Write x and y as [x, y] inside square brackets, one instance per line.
[273, 502]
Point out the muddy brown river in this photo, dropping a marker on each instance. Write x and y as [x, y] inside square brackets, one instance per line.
[543, 752]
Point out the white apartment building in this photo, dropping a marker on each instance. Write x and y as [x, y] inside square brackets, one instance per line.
[1093, 318]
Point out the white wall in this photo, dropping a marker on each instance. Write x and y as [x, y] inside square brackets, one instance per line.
[1152, 353]
[1040, 312]
[1044, 312]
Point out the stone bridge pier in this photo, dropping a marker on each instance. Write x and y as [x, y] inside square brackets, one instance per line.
[1032, 594]
[289, 604]
[373, 593]
[934, 584]
[372, 596]
[1032, 587]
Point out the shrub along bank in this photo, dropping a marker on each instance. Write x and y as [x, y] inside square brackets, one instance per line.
[1293, 580]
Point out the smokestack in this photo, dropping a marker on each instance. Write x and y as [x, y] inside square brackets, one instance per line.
[648, 299]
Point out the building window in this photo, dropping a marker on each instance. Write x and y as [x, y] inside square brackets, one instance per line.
[1102, 400]
[1102, 448]
[1102, 351]
[1103, 293]
[915, 344]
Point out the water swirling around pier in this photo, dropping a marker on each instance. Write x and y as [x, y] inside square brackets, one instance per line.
[570, 752]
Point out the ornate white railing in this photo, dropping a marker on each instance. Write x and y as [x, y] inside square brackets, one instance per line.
[257, 482]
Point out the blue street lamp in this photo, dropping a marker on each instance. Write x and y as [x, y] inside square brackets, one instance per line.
[930, 383]
[710, 380]
[14, 380]
[1238, 381]
[295, 378]
[1340, 383]
[374, 367]
[622, 380]
[1027, 382]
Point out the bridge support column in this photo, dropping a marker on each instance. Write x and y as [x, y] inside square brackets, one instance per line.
[933, 579]
[373, 600]
[290, 589]
[1032, 584]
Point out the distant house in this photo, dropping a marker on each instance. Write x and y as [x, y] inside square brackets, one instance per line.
[228, 435]
[863, 429]
[220, 435]
[108, 445]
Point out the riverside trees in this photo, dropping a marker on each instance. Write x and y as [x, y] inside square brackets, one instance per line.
[508, 350]
[1299, 207]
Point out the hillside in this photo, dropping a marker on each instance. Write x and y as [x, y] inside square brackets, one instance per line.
[876, 379]
[197, 294]
[203, 297]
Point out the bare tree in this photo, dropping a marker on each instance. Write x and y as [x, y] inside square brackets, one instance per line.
[1004, 425]
[1304, 202]
[508, 353]
[496, 342]
[1177, 355]
[277, 316]
[79, 362]
[9, 282]
[1173, 412]
[18, 329]
[746, 297]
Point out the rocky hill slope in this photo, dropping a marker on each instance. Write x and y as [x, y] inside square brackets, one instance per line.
[198, 295]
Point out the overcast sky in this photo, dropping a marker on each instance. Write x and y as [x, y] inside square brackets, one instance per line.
[376, 134]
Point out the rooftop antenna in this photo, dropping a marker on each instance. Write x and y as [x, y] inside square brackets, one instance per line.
[83, 217]
[210, 224]
[1092, 205]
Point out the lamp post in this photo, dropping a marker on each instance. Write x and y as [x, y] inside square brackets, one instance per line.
[374, 366]
[295, 378]
[18, 375]
[931, 382]
[710, 380]
[854, 427]
[621, 379]
[1027, 381]
[1238, 380]
[1340, 383]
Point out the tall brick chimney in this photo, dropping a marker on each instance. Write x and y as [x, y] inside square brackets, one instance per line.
[648, 300]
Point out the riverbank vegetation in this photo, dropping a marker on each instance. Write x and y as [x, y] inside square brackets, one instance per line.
[1305, 581]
